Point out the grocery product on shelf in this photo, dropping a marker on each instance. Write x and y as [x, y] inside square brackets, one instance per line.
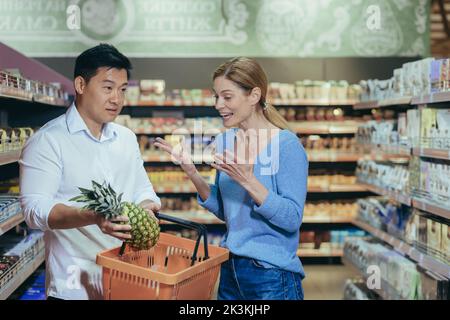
[342, 209]
[154, 92]
[326, 180]
[412, 79]
[429, 180]
[313, 91]
[13, 84]
[435, 128]
[327, 240]
[429, 235]
[181, 204]
[166, 125]
[390, 133]
[355, 289]
[385, 215]
[174, 179]
[400, 277]
[387, 176]
[314, 114]
[13, 139]
[10, 186]
[9, 206]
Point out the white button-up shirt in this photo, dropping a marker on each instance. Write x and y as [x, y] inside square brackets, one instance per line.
[60, 157]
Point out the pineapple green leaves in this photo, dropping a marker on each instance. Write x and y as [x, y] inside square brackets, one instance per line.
[104, 201]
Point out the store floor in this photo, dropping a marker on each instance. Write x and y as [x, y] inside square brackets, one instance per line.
[326, 282]
[322, 282]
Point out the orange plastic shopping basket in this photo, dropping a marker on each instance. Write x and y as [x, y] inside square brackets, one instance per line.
[175, 268]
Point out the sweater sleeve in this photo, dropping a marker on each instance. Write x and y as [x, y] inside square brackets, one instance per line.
[284, 208]
[214, 202]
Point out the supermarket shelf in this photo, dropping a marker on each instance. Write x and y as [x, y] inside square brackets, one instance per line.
[380, 292]
[170, 104]
[205, 217]
[383, 103]
[365, 105]
[21, 100]
[338, 188]
[313, 253]
[311, 102]
[438, 97]
[176, 189]
[420, 204]
[6, 96]
[275, 102]
[395, 102]
[432, 153]
[402, 198]
[189, 188]
[390, 150]
[299, 127]
[312, 157]
[167, 158]
[9, 157]
[431, 208]
[423, 260]
[11, 223]
[22, 275]
[309, 219]
[195, 216]
[177, 131]
[324, 127]
[332, 157]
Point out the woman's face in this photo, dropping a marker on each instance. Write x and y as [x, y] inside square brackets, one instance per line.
[234, 104]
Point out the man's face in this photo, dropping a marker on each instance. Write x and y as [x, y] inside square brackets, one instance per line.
[104, 94]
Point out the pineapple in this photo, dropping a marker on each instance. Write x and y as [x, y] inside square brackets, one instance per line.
[103, 200]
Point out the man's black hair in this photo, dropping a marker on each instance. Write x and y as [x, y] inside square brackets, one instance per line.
[102, 55]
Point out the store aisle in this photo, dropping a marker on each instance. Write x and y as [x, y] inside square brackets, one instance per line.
[325, 282]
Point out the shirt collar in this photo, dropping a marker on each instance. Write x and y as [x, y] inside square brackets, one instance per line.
[75, 123]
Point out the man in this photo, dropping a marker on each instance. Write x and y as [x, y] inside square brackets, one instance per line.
[69, 152]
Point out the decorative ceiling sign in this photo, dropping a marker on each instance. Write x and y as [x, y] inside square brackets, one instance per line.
[218, 28]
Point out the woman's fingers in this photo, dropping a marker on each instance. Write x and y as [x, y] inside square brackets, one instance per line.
[222, 168]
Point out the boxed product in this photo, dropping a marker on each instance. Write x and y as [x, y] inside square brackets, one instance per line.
[426, 66]
[413, 127]
[442, 141]
[435, 76]
[427, 127]
[434, 229]
[422, 234]
[433, 286]
[443, 79]
[133, 92]
[445, 242]
[152, 90]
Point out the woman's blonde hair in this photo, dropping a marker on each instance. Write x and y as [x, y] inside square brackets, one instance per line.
[248, 74]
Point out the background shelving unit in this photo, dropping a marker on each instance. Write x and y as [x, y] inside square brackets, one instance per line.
[412, 198]
[22, 112]
[319, 159]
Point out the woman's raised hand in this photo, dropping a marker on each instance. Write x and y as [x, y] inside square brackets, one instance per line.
[180, 154]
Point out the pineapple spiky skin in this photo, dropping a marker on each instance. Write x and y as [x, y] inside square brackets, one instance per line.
[144, 230]
[104, 201]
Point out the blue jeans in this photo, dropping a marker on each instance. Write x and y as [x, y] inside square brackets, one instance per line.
[244, 278]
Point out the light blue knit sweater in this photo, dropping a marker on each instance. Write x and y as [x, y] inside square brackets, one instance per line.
[270, 232]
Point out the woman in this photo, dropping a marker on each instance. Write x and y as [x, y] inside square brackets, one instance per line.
[259, 196]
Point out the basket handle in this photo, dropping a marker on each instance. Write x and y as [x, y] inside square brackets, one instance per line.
[201, 231]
